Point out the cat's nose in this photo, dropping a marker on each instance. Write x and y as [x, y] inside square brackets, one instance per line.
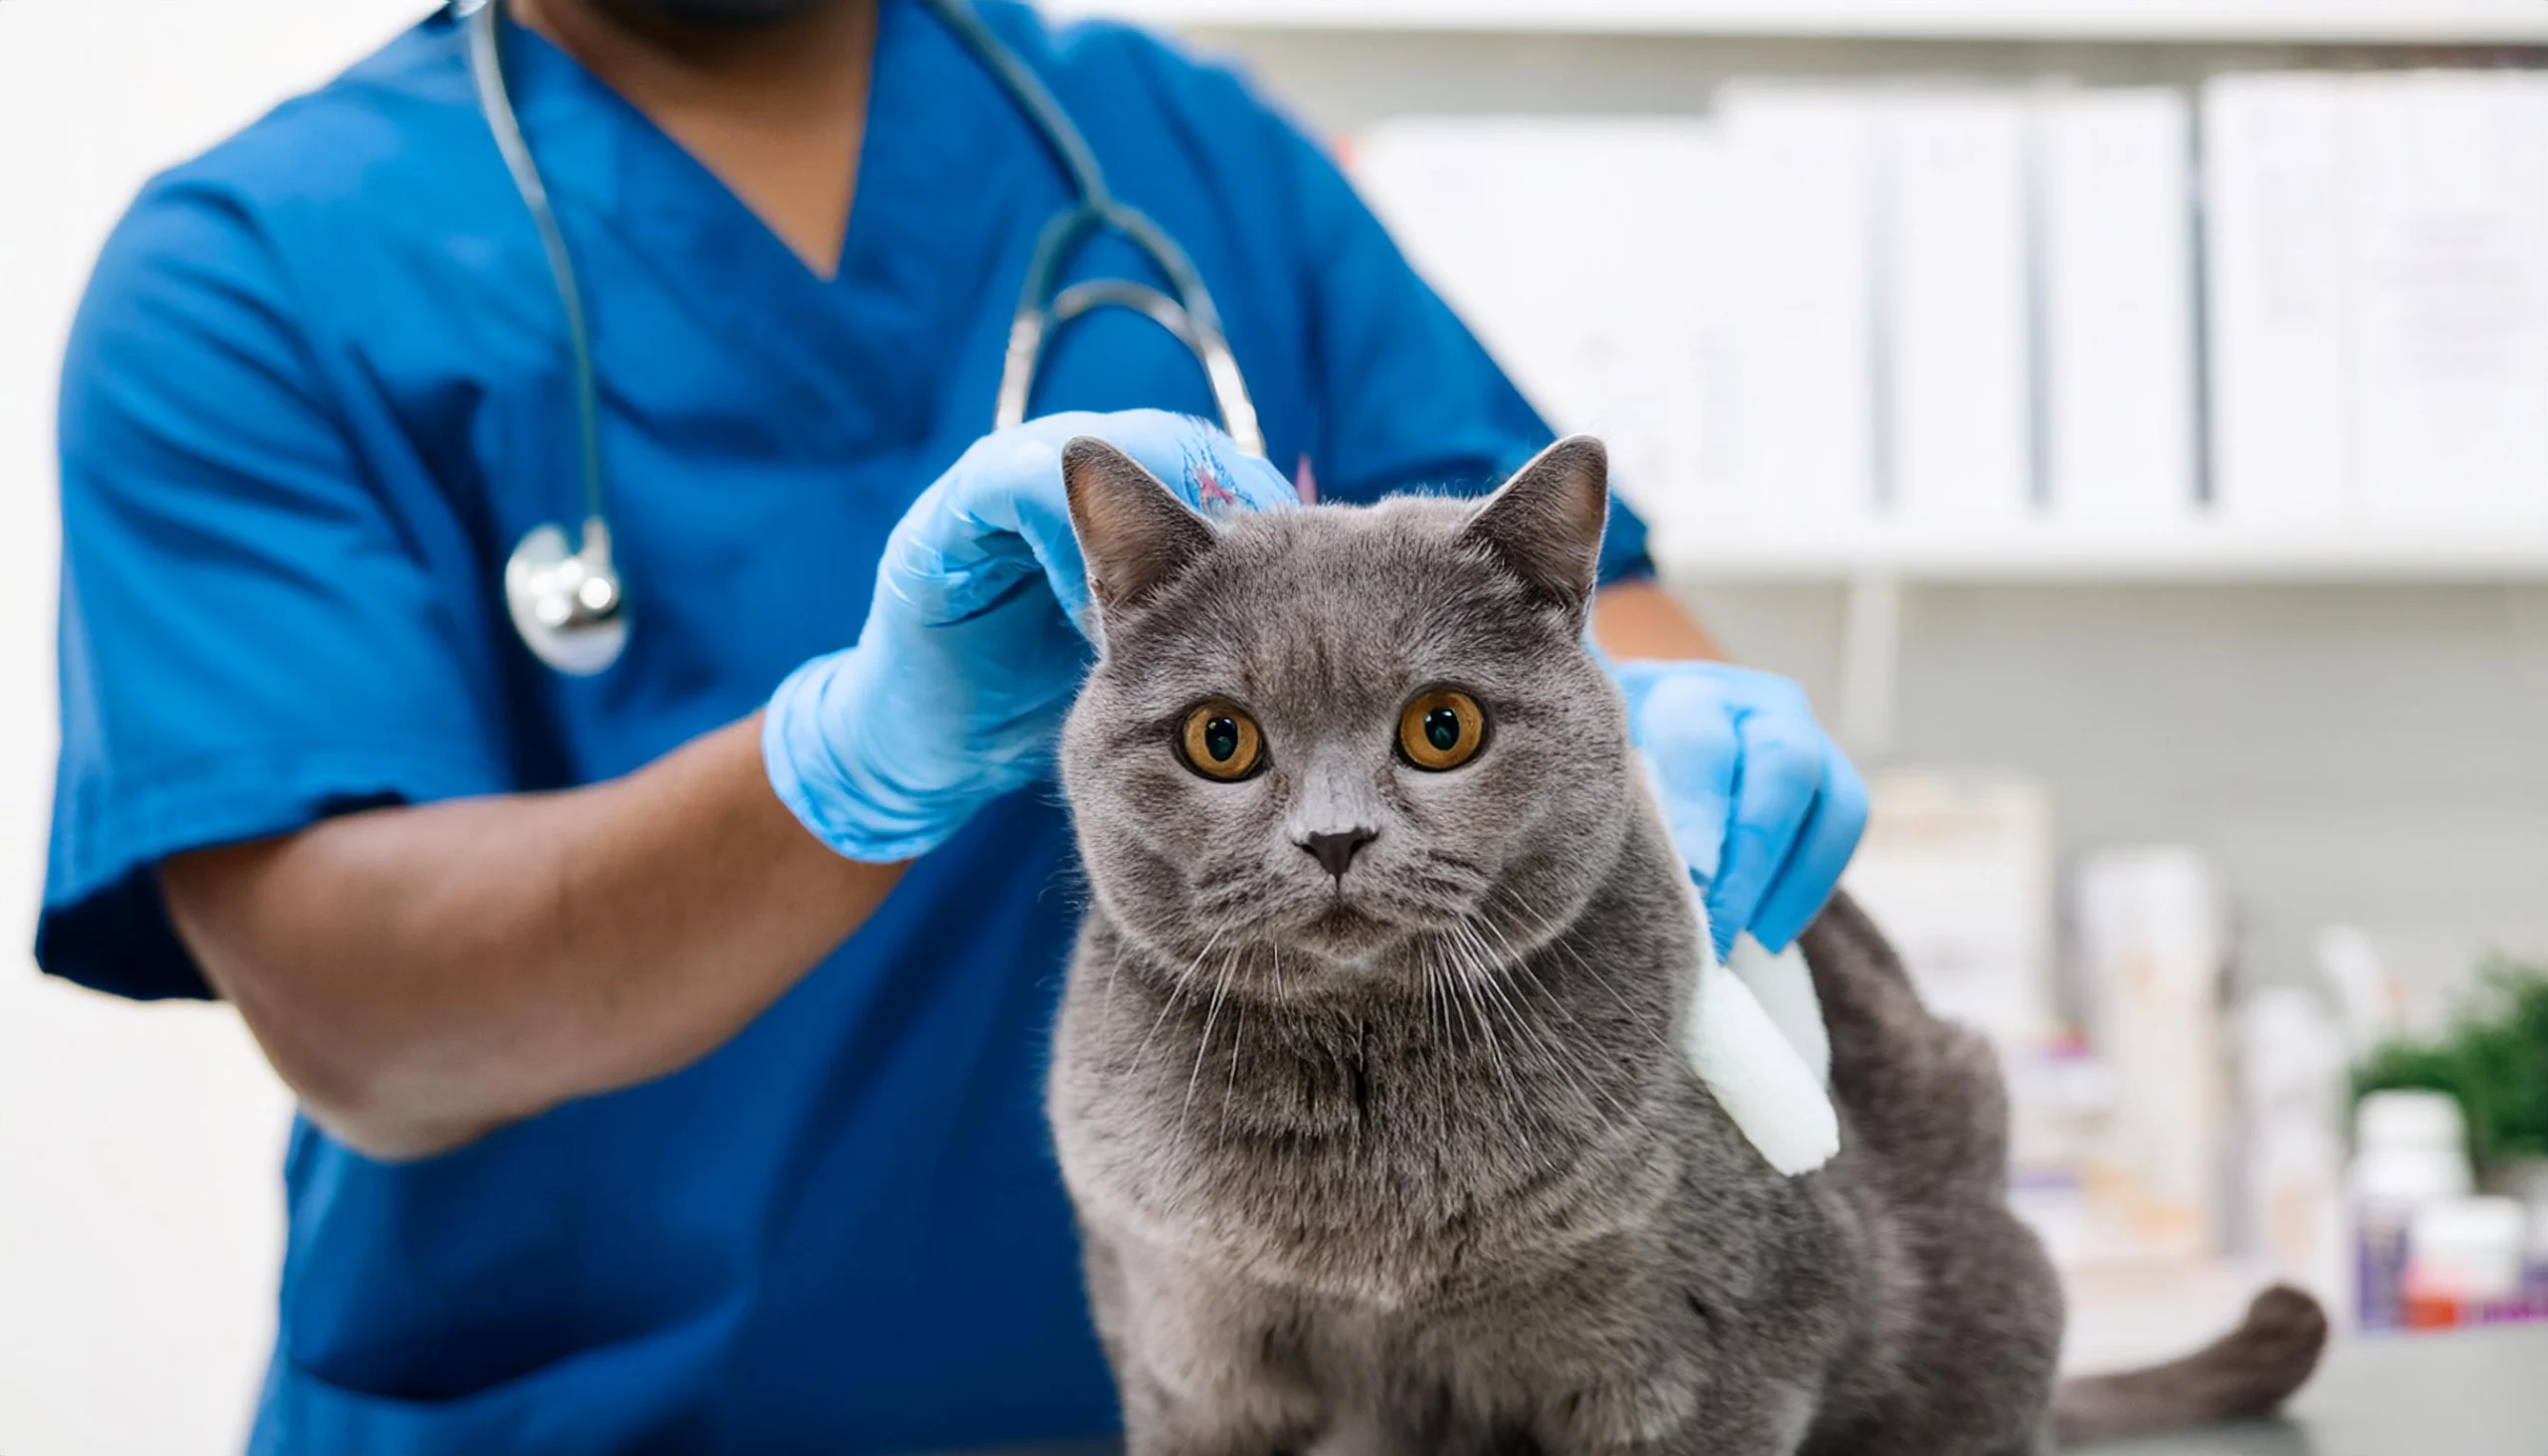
[1335, 850]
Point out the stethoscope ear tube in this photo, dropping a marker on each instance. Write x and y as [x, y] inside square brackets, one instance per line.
[1042, 311]
[1034, 328]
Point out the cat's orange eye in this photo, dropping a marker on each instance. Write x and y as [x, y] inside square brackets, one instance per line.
[1441, 729]
[1219, 740]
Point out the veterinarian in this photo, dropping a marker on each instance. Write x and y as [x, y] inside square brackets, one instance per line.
[549, 631]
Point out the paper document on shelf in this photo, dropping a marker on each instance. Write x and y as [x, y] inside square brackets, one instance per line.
[1641, 373]
[2113, 176]
[2446, 267]
[1572, 248]
[2273, 190]
[1954, 295]
[1793, 444]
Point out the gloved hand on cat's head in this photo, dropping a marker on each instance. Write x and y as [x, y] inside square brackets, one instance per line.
[1761, 803]
[971, 650]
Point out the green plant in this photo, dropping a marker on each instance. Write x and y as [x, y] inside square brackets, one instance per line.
[2494, 1060]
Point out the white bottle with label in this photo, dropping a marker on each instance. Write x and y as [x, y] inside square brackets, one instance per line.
[2411, 1151]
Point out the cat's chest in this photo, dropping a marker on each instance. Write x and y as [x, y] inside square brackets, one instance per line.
[1371, 1161]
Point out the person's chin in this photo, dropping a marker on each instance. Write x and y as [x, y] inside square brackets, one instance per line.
[712, 14]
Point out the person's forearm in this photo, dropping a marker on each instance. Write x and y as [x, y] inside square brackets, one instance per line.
[1639, 619]
[422, 975]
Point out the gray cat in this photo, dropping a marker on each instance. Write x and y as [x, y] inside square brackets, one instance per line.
[1369, 1084]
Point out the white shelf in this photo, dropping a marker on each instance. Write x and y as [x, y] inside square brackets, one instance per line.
[2056, 553]
[2383, 22]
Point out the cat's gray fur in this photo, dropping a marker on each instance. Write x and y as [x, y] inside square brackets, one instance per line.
[1409, 1159]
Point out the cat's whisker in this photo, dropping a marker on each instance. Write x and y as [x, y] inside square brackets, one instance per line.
[1484, 970]
[1203, 1044]
[1578, 1067]
[1426, 950]
[1176, 988]
[1530, 918]
[1550, 1045]
[1491, 980]
[1581, 1063]
[1229, 1093]
[1440, 980]
[1438, 1012]
[1575, 1067]
[1434, 993]
[1507, 1083]
[1535, 932]
[1486, 1037]
[1434, 1026]
[1640, 1019]
[1442, 976]
[1462, 972]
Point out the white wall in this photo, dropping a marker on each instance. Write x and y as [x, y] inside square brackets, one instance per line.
[140, 1210]
[2359, 753]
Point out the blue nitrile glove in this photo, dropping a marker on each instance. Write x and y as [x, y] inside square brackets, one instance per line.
[1761, 803]
[973, 646]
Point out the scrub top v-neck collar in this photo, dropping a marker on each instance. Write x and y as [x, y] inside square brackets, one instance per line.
[933, 207]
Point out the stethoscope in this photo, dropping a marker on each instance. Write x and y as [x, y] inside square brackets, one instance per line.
[568, 598]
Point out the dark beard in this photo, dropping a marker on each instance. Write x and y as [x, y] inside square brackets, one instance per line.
[722, 15]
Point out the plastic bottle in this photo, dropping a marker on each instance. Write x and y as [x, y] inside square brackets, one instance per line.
[2411, 1150]
[2463, 1263]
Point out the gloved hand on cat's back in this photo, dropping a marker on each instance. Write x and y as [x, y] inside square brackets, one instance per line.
[1761, 803]
[972, 649]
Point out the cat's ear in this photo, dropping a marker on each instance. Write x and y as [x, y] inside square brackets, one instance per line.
[1545, 523]
[1135, 533]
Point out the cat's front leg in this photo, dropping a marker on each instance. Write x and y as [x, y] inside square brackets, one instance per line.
[1206, 1399]
[1204, 1367]
[1666, 1413]
[1161, 1421]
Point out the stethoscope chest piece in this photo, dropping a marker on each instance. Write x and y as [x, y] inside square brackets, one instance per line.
[565, 602]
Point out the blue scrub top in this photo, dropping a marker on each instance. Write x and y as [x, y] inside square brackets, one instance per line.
[316, 391]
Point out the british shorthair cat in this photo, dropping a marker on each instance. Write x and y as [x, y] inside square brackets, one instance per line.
[1369, 1085]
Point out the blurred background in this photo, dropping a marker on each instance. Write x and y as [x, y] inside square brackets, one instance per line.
[2129, 419]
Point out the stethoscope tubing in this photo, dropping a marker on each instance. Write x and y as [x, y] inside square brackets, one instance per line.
[487, 68]
[556, 593]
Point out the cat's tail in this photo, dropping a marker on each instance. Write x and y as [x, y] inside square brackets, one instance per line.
[1929, 1116]
[1922, 1097]
[2246, 1372]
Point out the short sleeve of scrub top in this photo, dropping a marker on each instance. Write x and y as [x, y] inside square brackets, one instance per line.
[249, 640]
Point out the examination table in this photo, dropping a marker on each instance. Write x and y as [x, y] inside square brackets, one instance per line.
[2477, 1392]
